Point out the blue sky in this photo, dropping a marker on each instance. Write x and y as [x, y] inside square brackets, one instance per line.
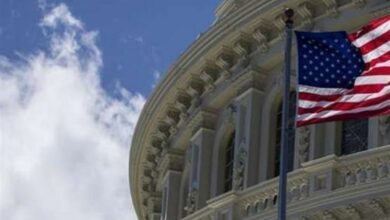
[138, 39]
[74, 77]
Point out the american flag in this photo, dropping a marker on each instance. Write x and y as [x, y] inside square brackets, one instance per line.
[344, 76]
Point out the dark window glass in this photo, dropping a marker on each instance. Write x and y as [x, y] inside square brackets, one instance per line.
[291, 134]
[354, 137]
[229, 162]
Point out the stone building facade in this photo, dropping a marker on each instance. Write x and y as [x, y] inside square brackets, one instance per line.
[207, 142]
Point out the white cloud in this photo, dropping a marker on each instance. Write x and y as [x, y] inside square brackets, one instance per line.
[60, 15]
[156, 78]
[64, 141]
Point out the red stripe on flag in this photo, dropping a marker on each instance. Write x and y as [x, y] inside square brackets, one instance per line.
[315, 97]
[344, 106]
[374, 24]
[345, 116]
[383, 58]
[378, 71]
[372, 45]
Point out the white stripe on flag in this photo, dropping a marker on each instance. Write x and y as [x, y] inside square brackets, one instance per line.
[321, 91]
[372, 80]
[377, 52]
[373, 34]
[384, 64]
[330, 113]
[353, 98]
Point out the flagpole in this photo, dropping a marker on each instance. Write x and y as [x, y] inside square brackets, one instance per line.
[282, 197]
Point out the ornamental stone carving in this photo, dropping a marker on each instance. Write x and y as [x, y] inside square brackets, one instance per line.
[306, 11]
[183, 103]
[261, 37]
[376, 207]
[332, 7]
[384, 125]
[328, 215]
[242, 45]
[280, 24]
[225, 60]
[195, 89]
[163, 130]
[359, 3]
[239, 169]
[172, 118]
[303, 143]
[230, 114]
[153, 203]
[352, 212]
[191, 201]
[209, 74]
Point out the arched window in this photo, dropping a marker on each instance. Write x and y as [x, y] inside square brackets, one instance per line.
[354, 136]
[229, 162]
[291, 134]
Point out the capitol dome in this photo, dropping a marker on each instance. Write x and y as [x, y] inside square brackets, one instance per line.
[206, 146]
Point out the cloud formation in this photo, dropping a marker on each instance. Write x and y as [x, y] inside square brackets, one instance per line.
[64, 141]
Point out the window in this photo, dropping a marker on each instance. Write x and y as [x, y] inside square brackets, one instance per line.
[354, 136]
[229, 163]
[291, 134]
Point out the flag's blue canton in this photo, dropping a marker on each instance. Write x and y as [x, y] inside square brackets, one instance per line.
[328, 60]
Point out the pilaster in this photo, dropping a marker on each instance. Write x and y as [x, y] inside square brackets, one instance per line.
[171, 195]
[248, 128]
[202, 144]
[333, 138]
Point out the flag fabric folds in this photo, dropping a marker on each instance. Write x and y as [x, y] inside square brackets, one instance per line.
[343, 76]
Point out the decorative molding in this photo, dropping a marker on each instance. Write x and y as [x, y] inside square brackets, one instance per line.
[163, 130]
[230, 114]
[328, 215]
[242, 45]
[332, 7]
[376, 207]
[306, 11]
[195, 89]
[303, 143]
[239, 168]
[359, 3]
[203, 119]
[261, 37]
[209, 74]
[384, 125]
[172, 118]
[191, 201]
[225, 60]
[280, 24]
[353, 213]
[171, 160]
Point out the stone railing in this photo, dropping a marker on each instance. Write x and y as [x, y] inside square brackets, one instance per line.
[262, 198]
[316, 189]
[364, 167]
